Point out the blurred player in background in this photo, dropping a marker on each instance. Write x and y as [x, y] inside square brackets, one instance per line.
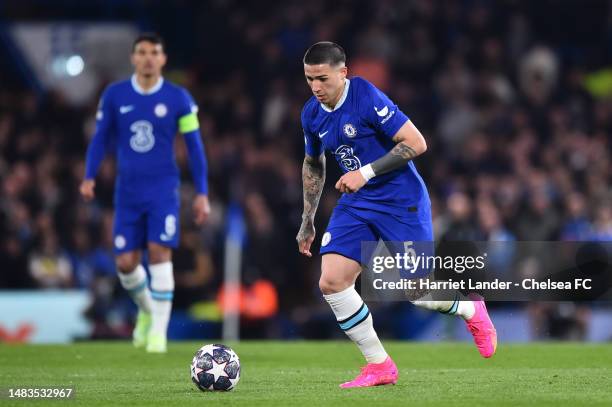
[384, 197]
[138, 119]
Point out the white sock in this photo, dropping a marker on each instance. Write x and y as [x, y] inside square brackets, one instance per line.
[459, 306]
[136, 285]
[162, 291]
[354, 318]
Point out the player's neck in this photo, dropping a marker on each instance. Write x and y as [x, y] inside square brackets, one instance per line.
[338, 97]
[147, 82]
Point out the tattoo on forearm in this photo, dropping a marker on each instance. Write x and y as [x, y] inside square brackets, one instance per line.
[404, 151]
[313, 177]
[394, 159]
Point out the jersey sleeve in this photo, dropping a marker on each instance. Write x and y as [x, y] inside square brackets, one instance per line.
[189, 126]
[101, 141]
[380, 112]
[188, 113]
[312, 143]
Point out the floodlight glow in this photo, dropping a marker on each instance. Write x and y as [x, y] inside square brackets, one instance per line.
[74, 65]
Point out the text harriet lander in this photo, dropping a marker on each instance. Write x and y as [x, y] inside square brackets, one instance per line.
[525, 284]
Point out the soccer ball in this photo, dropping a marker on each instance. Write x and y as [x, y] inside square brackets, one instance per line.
[215, 367]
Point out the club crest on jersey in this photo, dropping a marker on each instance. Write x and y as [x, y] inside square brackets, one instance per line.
[349, 130]
[160, 110]
[120, 242]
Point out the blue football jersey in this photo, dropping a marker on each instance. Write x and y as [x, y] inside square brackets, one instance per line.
[358, 131]
[142, 126]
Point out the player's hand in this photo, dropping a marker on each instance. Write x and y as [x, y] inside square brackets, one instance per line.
[351, 182]
[305, 237]
[87, 189]
[201, 209]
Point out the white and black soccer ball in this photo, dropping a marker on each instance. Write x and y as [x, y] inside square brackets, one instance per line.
[215, 367]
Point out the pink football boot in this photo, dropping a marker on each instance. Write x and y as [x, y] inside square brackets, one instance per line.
[482, 329]
[375, 374]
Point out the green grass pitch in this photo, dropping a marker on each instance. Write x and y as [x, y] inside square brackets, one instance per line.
[308, 373]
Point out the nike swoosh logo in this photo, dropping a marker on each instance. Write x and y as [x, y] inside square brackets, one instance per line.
[321, 135]
[126, 109]
[382, 112]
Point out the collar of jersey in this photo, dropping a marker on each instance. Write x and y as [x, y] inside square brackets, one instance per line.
[151, 91]
[342, 99]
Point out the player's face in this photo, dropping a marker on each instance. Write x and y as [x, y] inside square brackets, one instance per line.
[148, 59]
[326, 82]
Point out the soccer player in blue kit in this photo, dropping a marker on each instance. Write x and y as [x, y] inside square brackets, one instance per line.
[140, 118]
[384, 197]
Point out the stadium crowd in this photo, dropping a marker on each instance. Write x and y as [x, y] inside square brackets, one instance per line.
[518, 137]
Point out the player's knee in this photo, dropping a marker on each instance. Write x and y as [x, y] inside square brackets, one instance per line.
[330, 285]
[159, 254]
[127, 263]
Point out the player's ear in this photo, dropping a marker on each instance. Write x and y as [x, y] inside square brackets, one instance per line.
[343, 72]
[164, 58]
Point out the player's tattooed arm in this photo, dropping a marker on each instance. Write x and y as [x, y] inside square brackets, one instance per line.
[396, 158]
[313, 178]
[410, 144]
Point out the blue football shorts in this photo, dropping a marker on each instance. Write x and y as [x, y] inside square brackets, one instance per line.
[149, 220]
[349, 226]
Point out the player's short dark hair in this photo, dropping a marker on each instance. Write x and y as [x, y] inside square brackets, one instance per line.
[325, 52]
[151, 37]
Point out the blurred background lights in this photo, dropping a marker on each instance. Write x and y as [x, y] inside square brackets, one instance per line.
[74, 65]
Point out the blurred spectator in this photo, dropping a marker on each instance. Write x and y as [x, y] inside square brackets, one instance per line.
[602, 224]
[15, 265]
[49, 265]
[460, 226]
[577, 225]
[89, 261]
[538, 74]
[193, 271]
[561, 321]
[491, 224]
[540, 221]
